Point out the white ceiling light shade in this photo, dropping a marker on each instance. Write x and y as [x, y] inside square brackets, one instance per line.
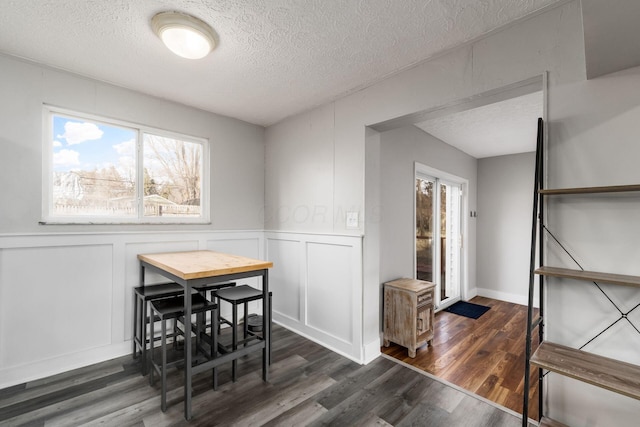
[183, 34]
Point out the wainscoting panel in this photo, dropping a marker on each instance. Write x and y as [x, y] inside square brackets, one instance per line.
[66, 298]
[55, 300]
[327, 284]
[285, 278]
[329, 290]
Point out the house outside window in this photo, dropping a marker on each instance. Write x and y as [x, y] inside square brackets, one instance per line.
[98, 170]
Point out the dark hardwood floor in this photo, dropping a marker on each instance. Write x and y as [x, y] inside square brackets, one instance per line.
[484, 355]
[309, 385]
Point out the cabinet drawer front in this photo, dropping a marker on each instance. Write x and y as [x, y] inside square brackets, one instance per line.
[425, 298]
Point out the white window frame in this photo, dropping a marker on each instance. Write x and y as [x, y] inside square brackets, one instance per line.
[47, 173]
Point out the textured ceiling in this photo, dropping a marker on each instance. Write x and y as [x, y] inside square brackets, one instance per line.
[506, 127]
[275, 58]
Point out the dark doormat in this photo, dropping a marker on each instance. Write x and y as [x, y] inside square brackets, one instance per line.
[467, 309]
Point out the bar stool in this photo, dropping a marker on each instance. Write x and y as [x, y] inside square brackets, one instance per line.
[173, 309]
[255, 326]
[236, 296]
[142, 296]
[210, 289]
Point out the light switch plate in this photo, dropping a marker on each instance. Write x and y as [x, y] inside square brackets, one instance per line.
[352, 220]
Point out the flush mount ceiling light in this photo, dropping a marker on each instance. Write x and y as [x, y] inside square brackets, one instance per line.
[184, 35]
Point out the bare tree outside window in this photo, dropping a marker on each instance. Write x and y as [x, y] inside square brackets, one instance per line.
[173, 171]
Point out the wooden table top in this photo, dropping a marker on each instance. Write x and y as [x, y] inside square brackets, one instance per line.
[198, 264]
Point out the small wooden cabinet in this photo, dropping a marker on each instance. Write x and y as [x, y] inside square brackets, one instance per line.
[408, 313]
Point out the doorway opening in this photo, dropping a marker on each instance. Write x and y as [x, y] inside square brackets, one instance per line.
[456, 125]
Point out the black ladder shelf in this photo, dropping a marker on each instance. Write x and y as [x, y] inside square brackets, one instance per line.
[614, 375]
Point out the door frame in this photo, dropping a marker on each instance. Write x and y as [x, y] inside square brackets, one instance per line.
[422, 169]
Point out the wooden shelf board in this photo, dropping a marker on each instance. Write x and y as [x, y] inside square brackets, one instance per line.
[591, 190]
[548, 422]
[591, 276]
[610, 374]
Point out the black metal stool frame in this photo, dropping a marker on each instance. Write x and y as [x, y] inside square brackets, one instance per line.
[176, 313]
[235, 297]
[142, 296]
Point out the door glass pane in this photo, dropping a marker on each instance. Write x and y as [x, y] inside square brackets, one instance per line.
[438, 236]
[443, 241]
[450, 241]
[424, 229]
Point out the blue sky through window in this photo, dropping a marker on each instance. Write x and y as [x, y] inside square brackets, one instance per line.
[86, 145]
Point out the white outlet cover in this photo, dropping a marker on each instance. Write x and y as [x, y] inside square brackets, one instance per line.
[352, 220]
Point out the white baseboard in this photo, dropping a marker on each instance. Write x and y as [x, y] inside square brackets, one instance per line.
[323, 343]
[470, 293]
[45, 368]
[371, 351]
[503, 296]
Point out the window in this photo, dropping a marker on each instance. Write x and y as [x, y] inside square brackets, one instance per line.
[106, 171]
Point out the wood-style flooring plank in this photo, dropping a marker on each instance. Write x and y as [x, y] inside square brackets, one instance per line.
[64, 400]
[384, 388]
[49, 385]
[353, 383]
[309, 385]
[303, 414]
[425, 390]
[484, 356]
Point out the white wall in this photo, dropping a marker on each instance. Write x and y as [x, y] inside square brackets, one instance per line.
[505, 203]
[65, 291]
[299, 180]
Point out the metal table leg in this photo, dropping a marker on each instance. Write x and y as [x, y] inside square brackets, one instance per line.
[187, 351]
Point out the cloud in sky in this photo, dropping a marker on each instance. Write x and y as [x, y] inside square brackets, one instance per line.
[66, 158]
[126, 157]
[77, 133]
[126, 147]
[57, 143]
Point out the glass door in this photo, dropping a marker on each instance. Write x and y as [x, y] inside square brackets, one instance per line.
[438, 236]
